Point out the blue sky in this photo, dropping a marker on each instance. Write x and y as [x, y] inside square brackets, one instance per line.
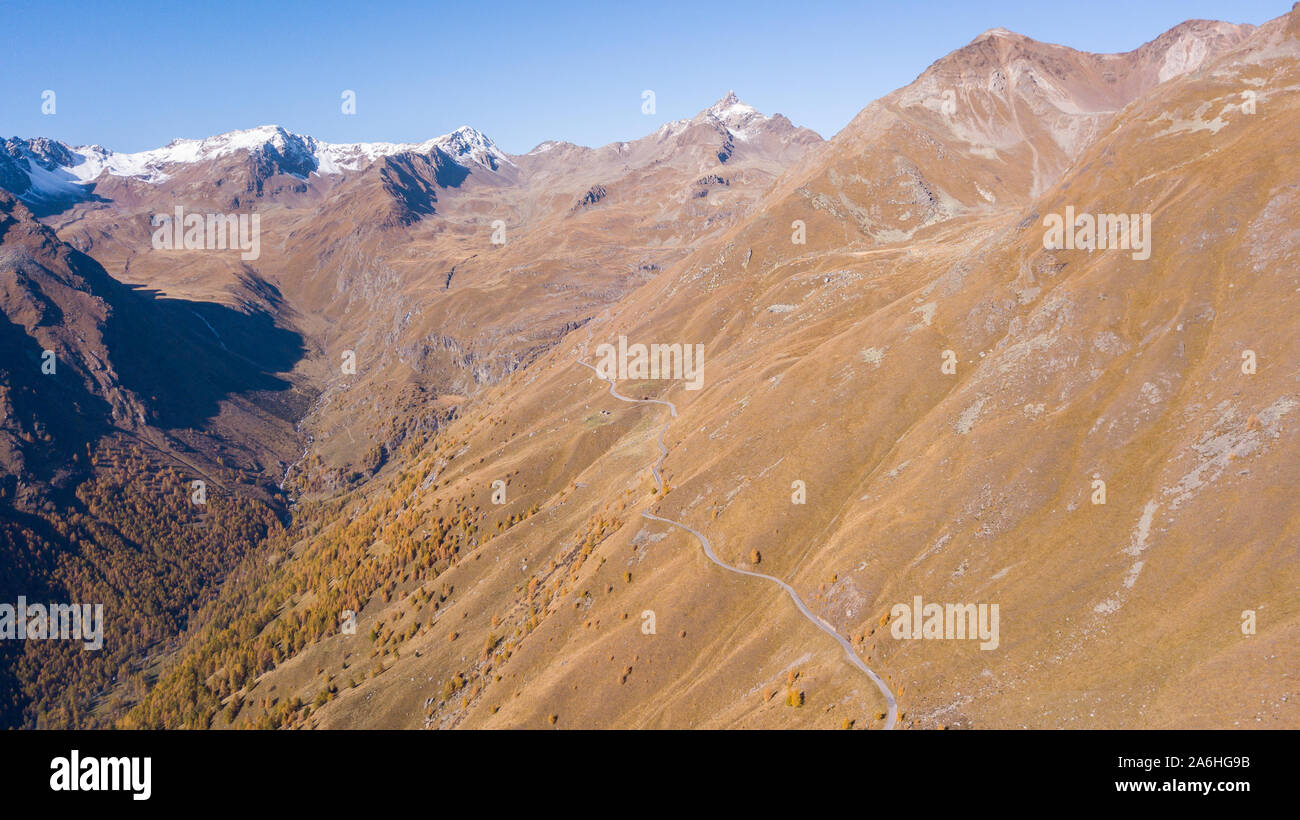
[133, 75]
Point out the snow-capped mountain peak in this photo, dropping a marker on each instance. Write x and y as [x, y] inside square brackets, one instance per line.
[732, 112]
[41, 169]
[89, 161]
[470, 144]
[549, 145]
[737, 117]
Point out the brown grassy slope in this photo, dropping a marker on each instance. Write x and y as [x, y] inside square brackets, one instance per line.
[361, 262]
[823, 366]
[977, 487]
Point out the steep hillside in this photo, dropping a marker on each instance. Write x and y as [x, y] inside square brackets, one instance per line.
[382, 286]
[103, 434]
[1019, 341]
[971, 417]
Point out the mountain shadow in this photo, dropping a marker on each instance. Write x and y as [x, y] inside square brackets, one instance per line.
[182, 358]
[85, 354]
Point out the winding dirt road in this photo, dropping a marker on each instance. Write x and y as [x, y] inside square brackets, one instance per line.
[891, 717]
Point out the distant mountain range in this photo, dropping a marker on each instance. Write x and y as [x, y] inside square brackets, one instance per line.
[909, 391]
